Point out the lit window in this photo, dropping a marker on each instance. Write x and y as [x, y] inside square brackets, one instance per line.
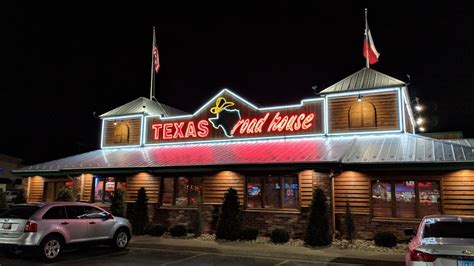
[272, 192]
[181, 191]
[105, 187]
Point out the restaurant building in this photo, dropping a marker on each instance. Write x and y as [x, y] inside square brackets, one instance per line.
[356, 141]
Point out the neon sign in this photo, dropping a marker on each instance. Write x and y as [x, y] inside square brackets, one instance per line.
[229, 117]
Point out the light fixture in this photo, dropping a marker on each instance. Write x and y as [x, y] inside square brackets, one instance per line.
[359, 98]
[115, 122]
[418, 107]
[422, 129]
[419, 121]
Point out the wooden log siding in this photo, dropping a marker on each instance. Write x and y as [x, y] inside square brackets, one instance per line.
[134, 126]
[355, 188]
[36, 187]
[306, 187]
[386, 108]
[147, 181]
[86, 191]
[458, 193]
[217, 185]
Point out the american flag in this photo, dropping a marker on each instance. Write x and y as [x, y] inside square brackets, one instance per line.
[156, 57]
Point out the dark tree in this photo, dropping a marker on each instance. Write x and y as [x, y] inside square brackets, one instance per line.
[229, 224]
[139, 219]
[117, 208]
[317, 233]
[20, 197]
[65, 194]
[349, 227]
[197, 219]
[3, 200]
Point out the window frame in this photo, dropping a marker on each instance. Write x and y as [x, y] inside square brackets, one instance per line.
[175, 191]
[263, 179]
[393, 182]
[117, 179]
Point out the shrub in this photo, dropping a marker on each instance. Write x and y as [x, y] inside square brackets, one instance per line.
[197, 218]
[117, 208]
[349, 223]
[249, 234]
[178, 230]
[385, 239]
[155, 230]
[139, 215]
[317, 232]
[20, 197]
[279, 236]
[65, 194]
[3, 200]
[229, 224]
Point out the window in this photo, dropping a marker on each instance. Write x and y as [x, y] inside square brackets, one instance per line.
[74, 212]
[121, 134]
[105, 187]
[181, 191]
[272, 192]
[93, 213]
[57, 212]
[405, 199]
[362, 114]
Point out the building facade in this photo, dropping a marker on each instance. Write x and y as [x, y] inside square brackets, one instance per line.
[356, 141]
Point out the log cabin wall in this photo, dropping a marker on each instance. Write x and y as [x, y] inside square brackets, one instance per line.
[352, 187]
[346, 114]
[35, 189]
[216, 186]
[458, 192]
[121, 132]
[86, 189]
[149, 182]
[306, 187]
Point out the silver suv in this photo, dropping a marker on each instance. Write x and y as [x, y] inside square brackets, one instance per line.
[48, 227]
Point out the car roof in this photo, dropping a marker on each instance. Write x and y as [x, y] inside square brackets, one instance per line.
[449, 218]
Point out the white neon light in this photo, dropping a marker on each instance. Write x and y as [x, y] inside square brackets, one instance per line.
[400, 111]
[217, 141]
[326, 116]
[364, 133]
[337, 95]
[361, 92]
[227, 134]
[120, 118]
[408, 107]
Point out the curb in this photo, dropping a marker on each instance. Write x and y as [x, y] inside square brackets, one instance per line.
[236, 252]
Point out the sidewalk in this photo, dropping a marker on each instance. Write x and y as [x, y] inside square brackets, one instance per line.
[331, 254]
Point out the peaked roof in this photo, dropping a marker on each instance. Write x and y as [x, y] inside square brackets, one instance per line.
[364, 79]
[143, 105]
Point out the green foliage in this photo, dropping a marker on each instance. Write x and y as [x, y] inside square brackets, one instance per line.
[349, 226]
[279, 236]
[3, 200]
[155, 230]
[65, 194]
[318, 230]
[197, 218]
[178, 230]
[385, 239]
[20, 197]
[117, 208]
[139, 216]
[249, 234]
[230, 219]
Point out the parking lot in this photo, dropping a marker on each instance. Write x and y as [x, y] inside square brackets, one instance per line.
[103, 255]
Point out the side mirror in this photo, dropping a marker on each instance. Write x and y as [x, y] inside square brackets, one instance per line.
[108, 216]
[411, 232]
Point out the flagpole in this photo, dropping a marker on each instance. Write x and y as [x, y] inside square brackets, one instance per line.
[367, 65]
[152, 78]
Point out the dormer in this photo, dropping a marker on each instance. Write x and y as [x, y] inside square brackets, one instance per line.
[368, 102]
[123, 126]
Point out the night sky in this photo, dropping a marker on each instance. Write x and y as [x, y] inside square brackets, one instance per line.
[60, 65]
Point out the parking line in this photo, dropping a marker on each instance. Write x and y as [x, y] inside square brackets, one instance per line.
[181, 260]
[281, 263]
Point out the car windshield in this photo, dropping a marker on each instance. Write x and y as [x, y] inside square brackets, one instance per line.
[453, 229]
[22, 212]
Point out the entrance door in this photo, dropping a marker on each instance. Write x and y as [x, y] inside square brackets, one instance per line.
[51, 190]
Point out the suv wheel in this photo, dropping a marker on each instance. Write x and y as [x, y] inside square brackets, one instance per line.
[50, 248]
[120, 240]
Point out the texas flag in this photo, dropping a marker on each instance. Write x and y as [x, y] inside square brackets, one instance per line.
[373, 54]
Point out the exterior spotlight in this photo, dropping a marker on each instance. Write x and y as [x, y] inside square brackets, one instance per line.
[115, 123]
[419, 121]
[359, 98]
[418, 107]
[422, 129]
